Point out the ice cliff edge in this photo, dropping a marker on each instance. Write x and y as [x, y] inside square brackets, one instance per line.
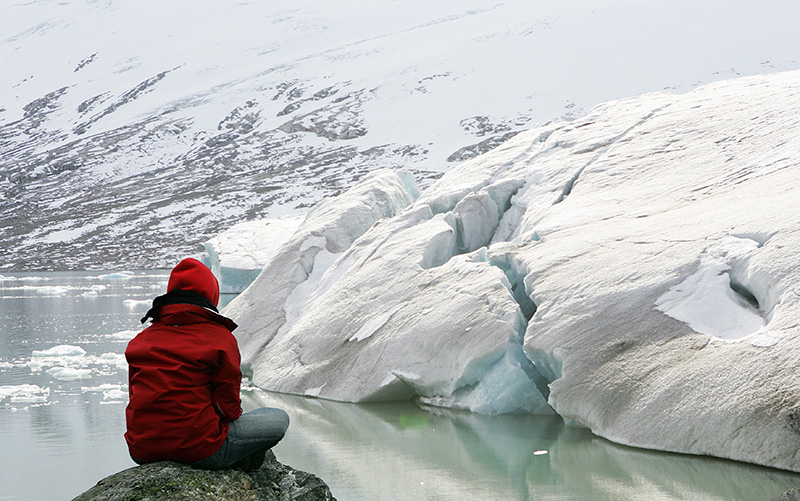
[634, 271]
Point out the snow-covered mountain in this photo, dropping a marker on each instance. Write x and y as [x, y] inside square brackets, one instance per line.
[634, 271]
[132, 130]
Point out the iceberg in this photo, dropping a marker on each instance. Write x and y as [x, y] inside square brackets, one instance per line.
[633, 271]
[238, 255]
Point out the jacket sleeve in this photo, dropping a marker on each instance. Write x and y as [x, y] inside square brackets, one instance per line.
[227, 380]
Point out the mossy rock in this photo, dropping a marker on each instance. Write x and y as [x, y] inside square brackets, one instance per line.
[167, 480]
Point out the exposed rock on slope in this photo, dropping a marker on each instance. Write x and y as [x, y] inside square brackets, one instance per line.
[130, 147]
[164, 481]
[634, 270]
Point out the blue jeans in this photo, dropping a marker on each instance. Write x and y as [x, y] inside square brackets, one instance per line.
[253, 432]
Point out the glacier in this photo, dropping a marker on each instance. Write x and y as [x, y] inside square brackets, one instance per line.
[633, 271]
[237, 255]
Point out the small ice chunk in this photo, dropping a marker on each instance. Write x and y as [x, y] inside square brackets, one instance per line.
[51, 290]
[115, 276]
[94, 290]
[135, 304]
[33, 279]
[123, 335]
[115, 395]
[69, 373]
[100, 388]
[27, 393]
[62, 350]
[116, 359]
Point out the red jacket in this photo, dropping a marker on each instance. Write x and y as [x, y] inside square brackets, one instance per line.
[184, 381]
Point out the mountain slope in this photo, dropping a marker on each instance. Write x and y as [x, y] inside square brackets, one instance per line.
[132, 131]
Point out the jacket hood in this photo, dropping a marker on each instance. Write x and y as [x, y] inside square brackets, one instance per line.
[192, 275]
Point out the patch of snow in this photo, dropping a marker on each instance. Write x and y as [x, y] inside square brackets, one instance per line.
[706, 299]
[373, 325]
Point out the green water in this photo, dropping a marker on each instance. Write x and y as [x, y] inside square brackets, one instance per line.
[59, 440]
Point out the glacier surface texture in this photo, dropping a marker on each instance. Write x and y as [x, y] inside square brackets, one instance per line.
[634, 271]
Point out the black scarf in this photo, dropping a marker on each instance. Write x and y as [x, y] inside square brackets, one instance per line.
[177, 297]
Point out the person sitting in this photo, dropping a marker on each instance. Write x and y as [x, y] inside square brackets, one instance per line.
[184, 381]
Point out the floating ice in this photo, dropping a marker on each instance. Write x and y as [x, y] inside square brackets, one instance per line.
[123, 335]
[100, 388]
[62, 350]
[51, 290]
[111, 392]
[137, 304]
[24, 393]
[115, 276]
[69, 373]
[33, 279]
[117, 395]
[94, 290]
[115, 359]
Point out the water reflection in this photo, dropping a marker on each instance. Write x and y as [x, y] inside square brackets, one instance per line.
[69, 435]
[401, 452]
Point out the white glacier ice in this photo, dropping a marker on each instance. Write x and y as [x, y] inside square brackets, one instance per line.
[238, 255]
[328, 230]
[708, 301]
[633, 271]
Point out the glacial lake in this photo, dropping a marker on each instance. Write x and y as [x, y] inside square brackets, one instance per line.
[63, 390]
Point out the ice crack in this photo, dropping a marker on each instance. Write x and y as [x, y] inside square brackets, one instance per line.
[603, 146]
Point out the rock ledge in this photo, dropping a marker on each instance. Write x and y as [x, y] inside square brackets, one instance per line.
[168, 480]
